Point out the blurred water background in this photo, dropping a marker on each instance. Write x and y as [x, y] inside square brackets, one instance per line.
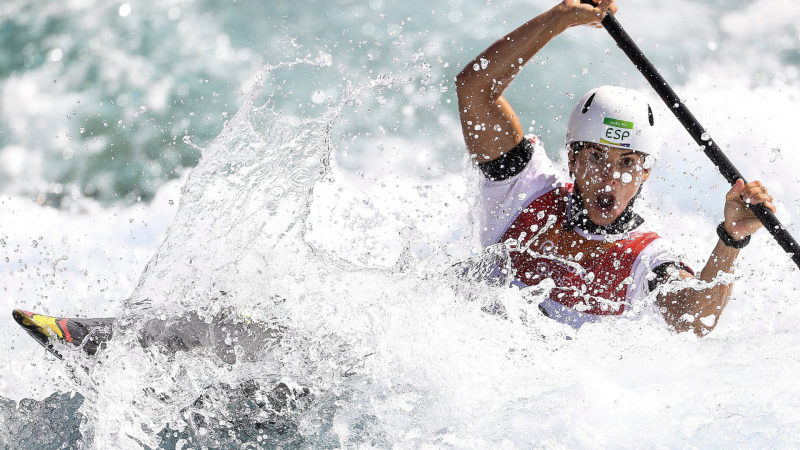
[332, 198]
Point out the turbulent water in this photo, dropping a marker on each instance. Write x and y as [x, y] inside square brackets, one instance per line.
[296, 173]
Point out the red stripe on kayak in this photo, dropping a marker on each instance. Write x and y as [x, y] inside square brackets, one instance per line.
[63, 325]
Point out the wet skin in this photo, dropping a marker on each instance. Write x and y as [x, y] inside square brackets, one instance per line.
[608, 179]
[481, 102]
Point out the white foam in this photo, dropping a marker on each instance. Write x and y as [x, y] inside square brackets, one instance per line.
[427, 366]
[85, 264]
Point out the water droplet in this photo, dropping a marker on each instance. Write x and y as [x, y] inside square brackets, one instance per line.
[617, 175]
[627, 178]
[584, 71]
[34, 243]
[705, 136]
[187, 140]
[775, 153]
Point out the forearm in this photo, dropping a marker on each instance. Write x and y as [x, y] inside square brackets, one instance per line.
[489, 123]
[703, 305]
[699, 309]
[491, 71]
[712, 300]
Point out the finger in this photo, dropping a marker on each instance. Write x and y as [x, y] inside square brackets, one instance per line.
[761, 198]
[613, 7]
[735, 192]
[750, 215]
[603, 7]
[752, 191]
[754, 186]
[756, 199]
[756, 192]
[754, 183]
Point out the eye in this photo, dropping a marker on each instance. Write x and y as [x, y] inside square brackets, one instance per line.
[627, 162]
[596, 157]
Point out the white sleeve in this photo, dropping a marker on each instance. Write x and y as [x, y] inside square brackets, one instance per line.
[502, 201]
[652, 256]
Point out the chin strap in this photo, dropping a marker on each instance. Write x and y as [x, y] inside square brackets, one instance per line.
[579, 216]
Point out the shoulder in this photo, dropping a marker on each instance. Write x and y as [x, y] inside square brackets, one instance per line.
[503, 200]
[528, 153]
[535, 173]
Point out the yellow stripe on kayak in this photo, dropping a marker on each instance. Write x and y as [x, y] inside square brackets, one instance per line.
[49, 322]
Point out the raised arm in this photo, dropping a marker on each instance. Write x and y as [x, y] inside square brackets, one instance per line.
[488, 122]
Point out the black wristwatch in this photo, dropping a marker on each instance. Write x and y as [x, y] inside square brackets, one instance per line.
[729, 240]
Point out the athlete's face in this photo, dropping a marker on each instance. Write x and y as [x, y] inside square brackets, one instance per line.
[608, 179]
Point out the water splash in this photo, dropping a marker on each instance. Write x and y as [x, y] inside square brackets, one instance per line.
[249, 191]
[237, 251]
[397, 358]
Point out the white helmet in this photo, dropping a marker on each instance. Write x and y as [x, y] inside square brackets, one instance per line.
[617, 117]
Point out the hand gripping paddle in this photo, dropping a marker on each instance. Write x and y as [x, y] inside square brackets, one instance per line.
[698, 133]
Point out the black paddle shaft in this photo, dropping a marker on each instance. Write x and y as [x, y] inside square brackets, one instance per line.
[698, 133]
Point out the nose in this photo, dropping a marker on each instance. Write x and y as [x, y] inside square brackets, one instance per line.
[608, 172]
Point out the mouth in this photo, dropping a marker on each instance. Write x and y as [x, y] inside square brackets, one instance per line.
[606, 201]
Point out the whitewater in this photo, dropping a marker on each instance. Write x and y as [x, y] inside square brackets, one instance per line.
[300, 168]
